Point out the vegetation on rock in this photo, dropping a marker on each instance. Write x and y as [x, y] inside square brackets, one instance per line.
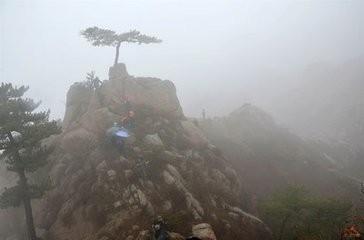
[294, 213]
[105, 37]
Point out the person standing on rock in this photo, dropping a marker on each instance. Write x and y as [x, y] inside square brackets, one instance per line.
[203, 114]
[117, 136]
[160, 229]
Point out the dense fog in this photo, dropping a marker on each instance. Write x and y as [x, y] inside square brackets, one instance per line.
[219, 54]
[181, 120]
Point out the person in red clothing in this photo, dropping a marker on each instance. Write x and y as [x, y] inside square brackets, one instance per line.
[351, 233]
[128, 122]
[126, 104]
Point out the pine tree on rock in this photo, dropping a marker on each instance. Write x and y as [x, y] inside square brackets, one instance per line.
[105, 37]
[21, 133]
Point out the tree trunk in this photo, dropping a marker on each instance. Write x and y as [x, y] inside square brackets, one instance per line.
[117, 53]
[25, 194]
[116, 62]
[27, 206]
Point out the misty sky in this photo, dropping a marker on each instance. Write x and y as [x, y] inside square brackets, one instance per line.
[219, 53]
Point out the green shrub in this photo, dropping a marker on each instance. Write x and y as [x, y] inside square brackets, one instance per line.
[296, 214]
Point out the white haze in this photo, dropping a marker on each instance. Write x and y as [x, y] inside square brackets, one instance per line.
[219, 53]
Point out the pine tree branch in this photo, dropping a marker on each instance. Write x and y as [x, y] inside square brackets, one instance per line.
[11, 197]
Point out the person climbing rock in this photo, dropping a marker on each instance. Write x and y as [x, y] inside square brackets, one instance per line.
[117, 135]
[159, 228]
[128, 122]
[110, 133]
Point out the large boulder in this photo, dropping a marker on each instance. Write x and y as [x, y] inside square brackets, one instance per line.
[153, 141]
[153, 92]
[175, 236]
[203, 231]
[78, 142]
[194, 135]
[99, 120]
[78, 99]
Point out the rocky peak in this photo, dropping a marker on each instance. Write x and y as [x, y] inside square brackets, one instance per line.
[264, 152]
[168, 167]
[118, 71]
[159, 95]
[253, 114]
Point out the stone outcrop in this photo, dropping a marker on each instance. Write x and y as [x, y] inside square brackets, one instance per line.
[169, 168]
[78, 98]
[82, 101]
[264, 152]
[203, 231]
[153, 92]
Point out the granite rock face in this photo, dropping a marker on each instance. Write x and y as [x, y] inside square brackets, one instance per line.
[156, 93]
[168, 168]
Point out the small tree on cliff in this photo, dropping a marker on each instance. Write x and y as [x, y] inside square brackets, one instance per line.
[92, 81]
[105, 37]
[21, 132]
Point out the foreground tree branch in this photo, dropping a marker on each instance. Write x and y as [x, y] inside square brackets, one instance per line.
[21, 133]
